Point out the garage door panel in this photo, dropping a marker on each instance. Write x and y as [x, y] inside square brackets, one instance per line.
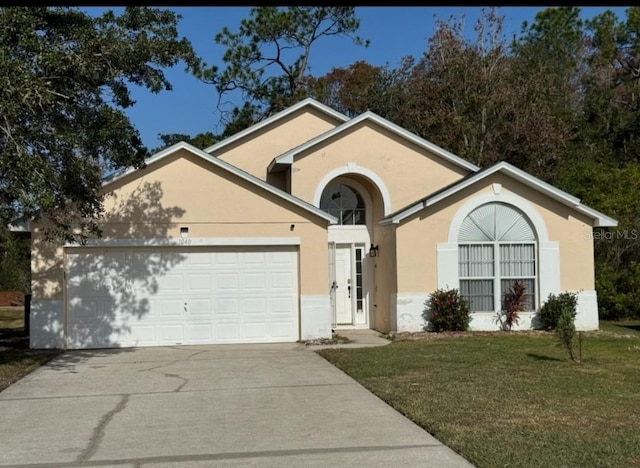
[282, 330]
[254, 258]
[200, 307]
[85, 311]
[255, 330]
[199, 333]
[255, 281]
[200, 258]
[141, 260]
[199, 281]
[169, 258]
[226, 258]
[227, 332]
[144, 287]
[172, 308]
[283, 280]
[171, 334]
[227, 307]
[227, 281]
[117, 284]
[283, 259]
[83, 287]
[142, 335]
[86, 261]
[254, 306]
[177, 295]
[283, 306]
[171, 282]
[86, 315]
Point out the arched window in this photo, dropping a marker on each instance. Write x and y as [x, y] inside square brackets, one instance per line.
[343, 202]
[496, 247]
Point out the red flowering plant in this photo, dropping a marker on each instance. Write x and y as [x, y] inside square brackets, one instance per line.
[514, 303]
[446, 310]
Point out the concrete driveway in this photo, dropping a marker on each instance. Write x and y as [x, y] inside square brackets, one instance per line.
[229, 405]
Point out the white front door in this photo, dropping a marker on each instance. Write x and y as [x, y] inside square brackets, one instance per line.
[344, 307]
[349, 291]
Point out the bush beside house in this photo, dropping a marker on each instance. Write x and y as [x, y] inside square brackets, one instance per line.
[446, 310]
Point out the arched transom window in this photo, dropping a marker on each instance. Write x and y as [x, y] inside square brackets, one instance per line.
[496, 247]
[344, 202]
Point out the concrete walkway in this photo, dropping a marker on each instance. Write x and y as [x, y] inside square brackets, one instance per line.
[201, 406]
[357, 339]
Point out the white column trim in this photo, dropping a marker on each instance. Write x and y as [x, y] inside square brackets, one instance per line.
[315, 316]
[549, 269]
[46, 324]
[447, 266]
[587, 310]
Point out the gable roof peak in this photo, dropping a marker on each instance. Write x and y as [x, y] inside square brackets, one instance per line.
[182, 145]
[307, 102]
[599, 219]
[288, 157]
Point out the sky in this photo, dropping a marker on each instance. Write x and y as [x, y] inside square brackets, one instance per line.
[394, 33]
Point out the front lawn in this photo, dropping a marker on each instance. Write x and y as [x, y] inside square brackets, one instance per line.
[513, 399]
[16, 359]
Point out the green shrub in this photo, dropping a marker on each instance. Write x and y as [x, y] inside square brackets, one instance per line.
[565, 331]
[446, 310]
[618, 291]
[555, 306]
[15, 261]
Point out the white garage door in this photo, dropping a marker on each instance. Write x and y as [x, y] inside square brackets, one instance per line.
[171, 295]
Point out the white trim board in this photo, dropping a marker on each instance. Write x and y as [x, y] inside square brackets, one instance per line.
[189, 242]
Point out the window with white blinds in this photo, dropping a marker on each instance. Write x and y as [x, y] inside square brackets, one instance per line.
[477, 262]
[496, 247]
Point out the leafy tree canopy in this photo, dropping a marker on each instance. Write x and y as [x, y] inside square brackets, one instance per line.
[64, 86]
[267, 59]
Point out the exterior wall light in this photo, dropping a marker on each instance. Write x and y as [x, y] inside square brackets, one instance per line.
[373, 251]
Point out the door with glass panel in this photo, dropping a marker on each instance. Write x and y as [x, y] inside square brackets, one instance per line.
[349, 282]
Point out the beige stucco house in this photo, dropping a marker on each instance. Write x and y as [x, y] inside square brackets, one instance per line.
[307, 222]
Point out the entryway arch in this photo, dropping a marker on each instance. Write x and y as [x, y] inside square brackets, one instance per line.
[354, 170]
[358, 203]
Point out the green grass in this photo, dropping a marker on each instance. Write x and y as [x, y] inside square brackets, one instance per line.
[16, 359]
[511, 399]
[625, 327]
